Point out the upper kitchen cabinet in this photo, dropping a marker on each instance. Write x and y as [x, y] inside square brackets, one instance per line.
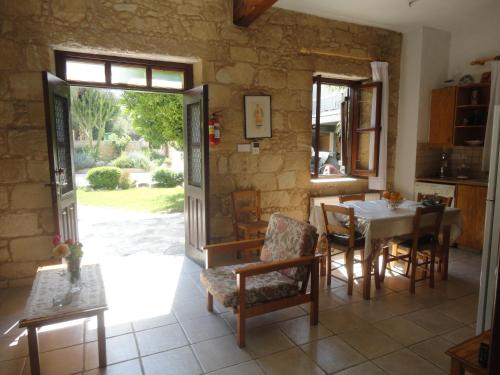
[459, 114]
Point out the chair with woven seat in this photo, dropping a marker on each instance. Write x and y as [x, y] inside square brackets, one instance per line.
[246, 214]
[277, 279]
[344, 239]
[352, 197]
[421, 244]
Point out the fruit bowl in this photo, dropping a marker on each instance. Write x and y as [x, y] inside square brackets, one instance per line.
[393, 199]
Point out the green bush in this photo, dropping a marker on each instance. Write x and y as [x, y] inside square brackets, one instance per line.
[104, 178]
[132, 160]
[120, 142]
[83, 159]
[124, 183]
[165, 178]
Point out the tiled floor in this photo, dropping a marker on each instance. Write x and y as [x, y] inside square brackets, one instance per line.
[158, 324]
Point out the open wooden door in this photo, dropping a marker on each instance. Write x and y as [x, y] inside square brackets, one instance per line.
[60, 144]
[196, 173]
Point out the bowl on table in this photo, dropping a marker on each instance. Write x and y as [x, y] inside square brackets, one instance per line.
[393, 199]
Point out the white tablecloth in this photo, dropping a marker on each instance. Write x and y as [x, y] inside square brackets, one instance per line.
[378, 222]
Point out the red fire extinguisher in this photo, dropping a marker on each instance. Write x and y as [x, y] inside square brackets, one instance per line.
[214, 129]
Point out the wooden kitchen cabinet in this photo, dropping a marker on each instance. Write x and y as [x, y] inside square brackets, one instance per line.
[442, 116]
[472, 202]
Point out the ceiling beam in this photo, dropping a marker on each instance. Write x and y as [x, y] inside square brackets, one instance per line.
[247, 11]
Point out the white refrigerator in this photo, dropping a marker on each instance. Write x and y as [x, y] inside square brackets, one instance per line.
[491, 244]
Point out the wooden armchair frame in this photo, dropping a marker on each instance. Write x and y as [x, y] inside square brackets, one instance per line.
[243, 311]
[352, 197]
[247, 229]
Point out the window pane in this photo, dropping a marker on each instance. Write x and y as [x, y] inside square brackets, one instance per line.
[330, 132]
[128, 75]
[366, 151]
[168, 79]
[313, 129]
[367, 107]
[85, 71]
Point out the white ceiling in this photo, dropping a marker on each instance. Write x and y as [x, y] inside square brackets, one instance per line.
[396, 15]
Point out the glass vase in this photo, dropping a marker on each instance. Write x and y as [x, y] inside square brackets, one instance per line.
[73, 265]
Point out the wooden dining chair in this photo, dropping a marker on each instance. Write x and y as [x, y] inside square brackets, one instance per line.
[344, 239]
[352, 197]
[437, 199]
[246, 215]
[422, 241]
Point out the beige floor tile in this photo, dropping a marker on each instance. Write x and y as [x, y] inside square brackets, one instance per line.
[370, 342]
[300, 331]
[459, 335]
[367, 368]
[62, 361]
[371, 311]
[396, 283]
[61, 335]
[153, 322]
[204, 328]
[428, 297]
[433, 321]
[433, 350]
[112, 329]
[121, 348]
[263, 341]
[179, 361]
[161, 338]
[12, 367]
[341, 320]
[464, 311]
[403, 331]
[91, 356]
[266, 319]
[400, 303]
[220, 352]
[191, 309]
[405, 362]
[327, 300]
[332, 354]
[132, 367]
[454, 289]
[13, 347]
[247, 368]
[290, 362]
[341, 292]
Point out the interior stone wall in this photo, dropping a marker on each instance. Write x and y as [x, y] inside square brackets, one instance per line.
[263, 58]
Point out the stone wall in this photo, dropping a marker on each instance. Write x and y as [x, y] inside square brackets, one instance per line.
[234, 61]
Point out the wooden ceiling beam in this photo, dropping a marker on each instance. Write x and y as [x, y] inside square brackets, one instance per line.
[247, 11]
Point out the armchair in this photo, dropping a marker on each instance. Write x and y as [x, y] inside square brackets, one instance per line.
[278, 280]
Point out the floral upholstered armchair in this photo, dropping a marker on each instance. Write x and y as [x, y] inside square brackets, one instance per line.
[277, 280]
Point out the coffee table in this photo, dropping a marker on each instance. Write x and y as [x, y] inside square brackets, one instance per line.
[52, 285]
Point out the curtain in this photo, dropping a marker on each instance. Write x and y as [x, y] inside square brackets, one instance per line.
[494, 100]
[380, 72]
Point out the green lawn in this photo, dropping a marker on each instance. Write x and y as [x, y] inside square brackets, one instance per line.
[137, 199]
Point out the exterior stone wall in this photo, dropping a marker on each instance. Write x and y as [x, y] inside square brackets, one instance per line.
[234, 61]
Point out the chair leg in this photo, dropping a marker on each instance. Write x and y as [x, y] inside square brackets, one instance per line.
[210, 302]
[314, 293]
[385, 256]
[413, 274]
[432, 265]
[350, 271]
[329, 267]
[376, 271]
[240, 328]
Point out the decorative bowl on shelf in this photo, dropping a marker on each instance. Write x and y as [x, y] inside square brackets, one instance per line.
[474, 142]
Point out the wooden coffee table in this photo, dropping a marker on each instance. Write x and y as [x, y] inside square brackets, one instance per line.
[52, 285]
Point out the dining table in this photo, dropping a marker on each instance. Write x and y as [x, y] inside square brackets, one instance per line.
[379, 223]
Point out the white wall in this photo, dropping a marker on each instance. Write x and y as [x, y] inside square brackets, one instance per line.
[480, 37]
[424, 66]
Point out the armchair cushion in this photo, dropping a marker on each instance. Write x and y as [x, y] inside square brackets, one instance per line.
[288, 238]
[221, 283]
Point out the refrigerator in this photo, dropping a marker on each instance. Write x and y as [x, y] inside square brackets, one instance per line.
[491, 244]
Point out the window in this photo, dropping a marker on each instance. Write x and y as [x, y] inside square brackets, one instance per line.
[123, 73]
[345, 128]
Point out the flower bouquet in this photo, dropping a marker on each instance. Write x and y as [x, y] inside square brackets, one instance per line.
[71, 251]
[393, 199]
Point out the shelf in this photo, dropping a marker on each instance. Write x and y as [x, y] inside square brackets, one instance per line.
[472, 106]
[470, 126]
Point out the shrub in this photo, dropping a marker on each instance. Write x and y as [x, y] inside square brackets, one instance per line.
[156, 155]
[104, 177]
[119, 142]
[83, 159]
[124, 183]
[165, 178]
[132, 160]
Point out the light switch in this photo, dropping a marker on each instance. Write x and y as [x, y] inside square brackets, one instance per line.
[255, 148]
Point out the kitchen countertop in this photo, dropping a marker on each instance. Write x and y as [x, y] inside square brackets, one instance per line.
[455, 181]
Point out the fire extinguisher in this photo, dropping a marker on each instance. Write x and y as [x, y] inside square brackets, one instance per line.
[214, 129]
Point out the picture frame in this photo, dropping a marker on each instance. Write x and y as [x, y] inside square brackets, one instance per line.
[258, 116]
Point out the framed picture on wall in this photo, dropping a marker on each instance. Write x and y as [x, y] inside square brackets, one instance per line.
[258, 116]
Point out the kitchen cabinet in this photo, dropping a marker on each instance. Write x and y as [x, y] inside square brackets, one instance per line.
[472, 202]
[458, 114]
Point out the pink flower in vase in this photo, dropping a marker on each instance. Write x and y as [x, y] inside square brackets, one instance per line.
[56, 240]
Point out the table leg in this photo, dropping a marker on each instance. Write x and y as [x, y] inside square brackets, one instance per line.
[367, 277]
[456, 368]
[445, 252]
[101, 339]
[33, 350]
